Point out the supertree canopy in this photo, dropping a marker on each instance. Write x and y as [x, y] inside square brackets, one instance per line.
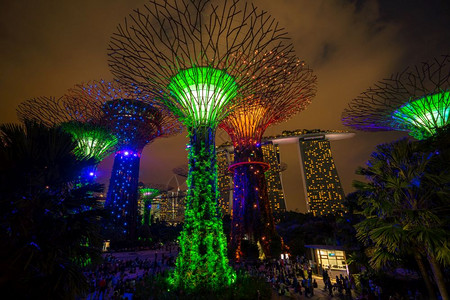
[416, 100]
[136, 120]
[272, 103]
[83, 123]
[199, 57]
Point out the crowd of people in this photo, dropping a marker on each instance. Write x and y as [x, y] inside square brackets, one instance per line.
[294, 278]
[118, 275]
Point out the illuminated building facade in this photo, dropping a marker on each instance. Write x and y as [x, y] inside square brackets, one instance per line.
[322, 186]
[323, 189]
[271, 153]
[172, 206]
[225, 180]
[161, 206]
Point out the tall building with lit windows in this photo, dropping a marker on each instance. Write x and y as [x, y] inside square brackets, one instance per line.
[225, 179]
[322, 186]
[271, 154]
[324, 191]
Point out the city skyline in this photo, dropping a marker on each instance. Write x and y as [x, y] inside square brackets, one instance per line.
[350, 45]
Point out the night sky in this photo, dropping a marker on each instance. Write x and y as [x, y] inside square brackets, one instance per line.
[47, 46]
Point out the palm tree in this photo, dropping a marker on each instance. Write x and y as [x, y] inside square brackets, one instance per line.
[402, 201]
[46, 232]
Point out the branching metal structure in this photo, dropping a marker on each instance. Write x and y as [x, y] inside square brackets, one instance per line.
[82, 122]
[416, 100]
[198, 57]
[284, 96]
[136, 120]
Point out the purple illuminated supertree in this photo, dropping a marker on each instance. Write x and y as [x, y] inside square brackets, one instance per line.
[84, 123]
[285, 95]
[136, 120]
[198, 56]
[416, 100]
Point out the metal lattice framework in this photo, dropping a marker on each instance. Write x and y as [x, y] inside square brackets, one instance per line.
[82, 122]
[416, 100]
[130, 113]
[52, 111]
[285, 95]
[168, 45]
[200, 57]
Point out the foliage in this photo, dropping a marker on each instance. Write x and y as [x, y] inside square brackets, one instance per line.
[402, 203]
[246, 287]
[202, 262]
[47, 228]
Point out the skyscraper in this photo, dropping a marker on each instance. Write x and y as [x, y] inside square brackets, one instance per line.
[322, 186]
[271, 154]
[224, 178]
[324, 193]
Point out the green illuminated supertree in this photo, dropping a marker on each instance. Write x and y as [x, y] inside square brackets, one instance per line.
[416, 100]
[198, 56]
[83, 123]
[146, 196]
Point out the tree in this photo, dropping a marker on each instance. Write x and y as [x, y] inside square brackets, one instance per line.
[402, 201]
[48, 229]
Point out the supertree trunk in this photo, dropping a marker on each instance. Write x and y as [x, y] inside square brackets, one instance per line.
[202, 261]
[252, 214]
[122, 195]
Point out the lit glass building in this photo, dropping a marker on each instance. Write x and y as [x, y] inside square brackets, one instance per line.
[322, 186]
[225, 179]
[271, 154]
[323, 190]
[161, 206]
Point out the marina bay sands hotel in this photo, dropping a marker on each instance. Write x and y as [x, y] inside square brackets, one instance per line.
[322, 187]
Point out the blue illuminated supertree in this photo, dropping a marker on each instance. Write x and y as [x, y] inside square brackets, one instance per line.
[136, 121]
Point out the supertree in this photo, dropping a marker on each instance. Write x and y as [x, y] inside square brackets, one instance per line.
[416, 100]
[252, 217]
[198, 56]
[147, 195]
[93, 140]
[136, 120]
